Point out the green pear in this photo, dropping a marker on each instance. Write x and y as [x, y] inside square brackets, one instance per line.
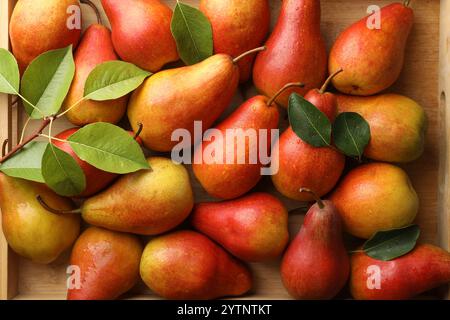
[32, 231]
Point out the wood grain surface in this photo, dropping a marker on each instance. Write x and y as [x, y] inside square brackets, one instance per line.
[421, 80]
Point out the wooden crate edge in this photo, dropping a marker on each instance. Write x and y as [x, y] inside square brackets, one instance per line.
[444, 114]
[8, 261]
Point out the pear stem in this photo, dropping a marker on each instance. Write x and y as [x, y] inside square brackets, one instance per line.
[317, 198]
[139, 131]
[94, 7]
[4, 146]
[53, 210]
[327, 82]
[287, 86]
[237, 59]
[36, 134]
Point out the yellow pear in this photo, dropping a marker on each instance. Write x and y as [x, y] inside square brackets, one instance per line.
[30, 230]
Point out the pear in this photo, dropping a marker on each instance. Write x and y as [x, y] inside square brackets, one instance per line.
[108, 263]
[38, 26]
[372, 56]
[300, 165]
[141, 32]
[173, 99]
[96, 179]
[146, 202]
[238, 26]
[186, 265]
[407, 122]
[95, 48]
[295, 51]
[253, 228]
[375, 197]
[32, 231]
[316, 265]
[226, 180]
[424, 268]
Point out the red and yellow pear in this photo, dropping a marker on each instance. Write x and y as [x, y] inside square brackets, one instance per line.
[372, 54]
[176, 98]
[423, 269]
[252, 228]
[186, 265]
[38, 26]
[375, 197]
[301, 165]
[141, 32]
[95, 48]
[405, 118]
[228, 180]
[316, 264]
[108, 264]
[147, 202]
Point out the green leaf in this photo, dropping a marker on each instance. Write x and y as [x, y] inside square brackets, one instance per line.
[9, 73]
[109, 148]
[62, 173]
[309, 123]
[112, 80]
[193, 34]
[46, 82]
[351, 134]
[27, 163]
[392, 244]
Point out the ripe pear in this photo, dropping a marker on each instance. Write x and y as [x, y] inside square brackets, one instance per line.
[108, 263]
[372, 56]
[173, 99]
[253, 228]
[32, 231]
[295, 51]
[186, 265]
[228, 180]
[238, 26]
[95, 48]
[38, 26]
[301, 165]
[423, 269]
[316, 265]
[146, 202]
[141, 32]
[375, 197]
[406, 121]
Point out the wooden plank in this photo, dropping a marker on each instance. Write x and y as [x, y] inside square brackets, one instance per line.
[444, 92]
[419, 80]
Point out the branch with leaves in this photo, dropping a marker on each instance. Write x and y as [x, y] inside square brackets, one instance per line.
[42, 89]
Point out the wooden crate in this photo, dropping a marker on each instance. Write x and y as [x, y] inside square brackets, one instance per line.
[425, 78]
